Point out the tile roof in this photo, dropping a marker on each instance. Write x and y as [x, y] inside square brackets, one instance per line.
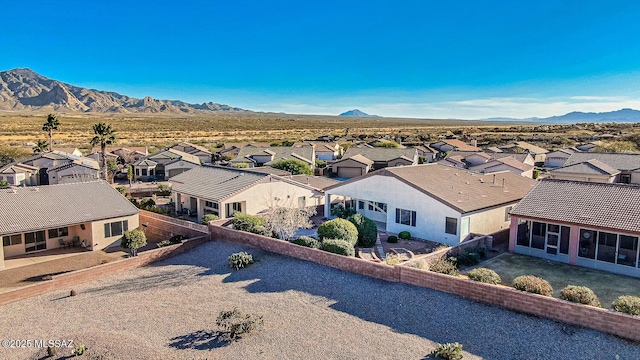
[317, 182]
[526, 146]
[380, 154]
[321, 146]
[616, 161]
[606, 205]
[17, 168]
[196, 147]
[460, 189]
[84, 163]
[520, 157]
[175, 155]
[51, 206]
[593, 167]
[512, 162]
[358, 158]
[304, 153]
[214, 182]
[458, 145]
[268, 170]
[111, 149]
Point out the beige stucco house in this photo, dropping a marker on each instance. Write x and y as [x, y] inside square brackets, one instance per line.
[35, 219]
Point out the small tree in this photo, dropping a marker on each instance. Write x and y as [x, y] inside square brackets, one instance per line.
[294, 166]
[41, 146]
[105, 135]
[130, 174]
[248, 223]
[52, 124]
[133, 240]
[112, 167]
[367, 230]
[284, 221]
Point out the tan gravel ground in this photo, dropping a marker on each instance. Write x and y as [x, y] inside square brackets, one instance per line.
[168, 311]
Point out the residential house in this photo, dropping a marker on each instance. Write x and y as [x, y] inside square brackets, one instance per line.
[590, 170]
[231, 150]
[41, 218]
[454, 160]
[164, 164]
[506, 163]
[587, 147]
[557, 158]
[124, 155]
[524, 158]
[433, 201]
[447, 145]
[223, 191]
[385, 157]
[539, 154]
[581, 223]
[352, 166]
[255, 156]
[628, 166]
[64, 168]
[19, 174]
[201, 152]
[427, 152]
[69, 150]
[326, 151]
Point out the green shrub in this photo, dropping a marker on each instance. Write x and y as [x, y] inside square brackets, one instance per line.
[340, 211]
[367, 230]
[392, 259]
[156, 209]
[164, 243]
[307, 241]
[177, 239]
[471, 256]
[208, 217]
[235, 323]
[419, 264]
[392, 239]
[580, 294]
[487, 276]
[146, 203]
[338, 246]
[4, 184]
[240, 260]
[79, 350]
[165, 190]
[133, 240]
[122, 190]
[339, 229]
[533, 284]
[449, 351]
[404, 235]
[627, 304]
[444, 266]
[294, 166]
[248, 223]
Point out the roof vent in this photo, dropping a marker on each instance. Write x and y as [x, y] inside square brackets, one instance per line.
[35, 189]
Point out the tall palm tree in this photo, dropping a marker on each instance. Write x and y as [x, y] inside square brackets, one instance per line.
[41, 146]
[52, 124]
[105, 135]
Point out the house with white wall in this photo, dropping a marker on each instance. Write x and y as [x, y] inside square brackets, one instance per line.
[201, 152]
[35, 219]
[590, 170]
[19, 174]
[506, 163]
[55, 165]
[164, 164]
[557, 158]
[628, 165]
[222, 191]
[255, 156]
[385, 157]
[588, 224]
[432, 201]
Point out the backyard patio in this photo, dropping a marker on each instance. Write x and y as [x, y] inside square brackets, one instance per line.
[607, 286]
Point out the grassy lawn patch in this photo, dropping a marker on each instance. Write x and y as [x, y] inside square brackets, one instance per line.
[607, 286]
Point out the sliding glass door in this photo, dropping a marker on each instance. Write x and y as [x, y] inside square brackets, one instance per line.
[35, 241]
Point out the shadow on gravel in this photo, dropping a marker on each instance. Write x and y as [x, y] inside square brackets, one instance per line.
[199, 340]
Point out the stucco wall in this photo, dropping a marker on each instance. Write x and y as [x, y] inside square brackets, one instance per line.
[72, 175]
[260, 196]
[98, 240]
[489, 221]
[582, 177]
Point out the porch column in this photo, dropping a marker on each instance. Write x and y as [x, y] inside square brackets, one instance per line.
[200, 207]
[574, 243]
[327, 205]
[176, 201]
[1, 257]
[513, 233]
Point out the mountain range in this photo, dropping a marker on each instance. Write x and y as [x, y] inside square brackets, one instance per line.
[622, 115]
[24, 89]
[357, 113]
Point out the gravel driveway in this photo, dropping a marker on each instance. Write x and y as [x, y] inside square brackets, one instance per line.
[168, 311]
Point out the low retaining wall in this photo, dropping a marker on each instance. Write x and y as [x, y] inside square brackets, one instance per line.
[608, 321]
[163, 227]
[65, 281]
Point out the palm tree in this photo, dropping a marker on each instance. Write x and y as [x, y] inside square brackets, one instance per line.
[105, 135]
[41, 146]
[51, 124]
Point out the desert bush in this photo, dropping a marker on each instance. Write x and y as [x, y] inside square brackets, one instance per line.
[338, 246]
[133, 240]
[177, 239]
[627, 304]
[367, 230]
[392, 239]
[484, 275]
[444, 266]
[404, 235]
[156, 209]
[294, 166]
[164, 243]
[307, 241]
[122, 190]
[533, 284]
[248, 223]
[235, 323]
[339, 229]
[165, 190]
[145, 203]
[321, 164]
[240, 260]
[580, 294]
[392, 259]
[240, 166]
[4, 184]
[471, 256]
[208, 217]
[341, 212]
[449, 351]
[79, 350]
[419, 264]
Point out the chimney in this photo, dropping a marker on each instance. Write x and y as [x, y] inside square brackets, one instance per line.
[474, 142]
[494, 178]
[503, 182]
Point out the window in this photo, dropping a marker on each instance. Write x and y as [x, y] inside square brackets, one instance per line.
[10, 179]
[507, 213]
[302, 201]
[464, 226]
[211, 204]
[370, 206]
[137, 172]
[405, 217]
[627, 250]
[381, 207]
[524, 230]
[116, 228]
[54, 233]
[607, 244]
[587, 244]
[564, 239]
[361, 205]
[144, 172]
[451, 226]
[538, 235]
[9, 240]
[625, 178]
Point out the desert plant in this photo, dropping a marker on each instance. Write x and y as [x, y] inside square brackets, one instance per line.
[165, 189]
[133, 240]
[392, 239]
[404, 235]
[294, 166]
[79, 350]
[105, 135]
[580, 294]
[52, 351]
[240, 166]
[248, 223]
[367, 230]
[533, 284]
[484, 275]
[307, 241]
[208, 217]
[3, 184]
[283, 221]
[339, 229]
[444, 266]
[471, 256]
[340, 211]
[392, 259]
[52, 124]
[449, 351]
[177, 239]
[419, 264]
[240, 260]
[235, 323]
[122, 190]
[338, 246]
[627, 304]
[164, 243]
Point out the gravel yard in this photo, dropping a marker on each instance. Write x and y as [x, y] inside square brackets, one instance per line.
[168, 311]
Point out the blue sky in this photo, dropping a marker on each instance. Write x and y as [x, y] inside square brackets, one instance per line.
[431, 59]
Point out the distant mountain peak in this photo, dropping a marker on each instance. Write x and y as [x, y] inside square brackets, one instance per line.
[24, 89]
[357, 113]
